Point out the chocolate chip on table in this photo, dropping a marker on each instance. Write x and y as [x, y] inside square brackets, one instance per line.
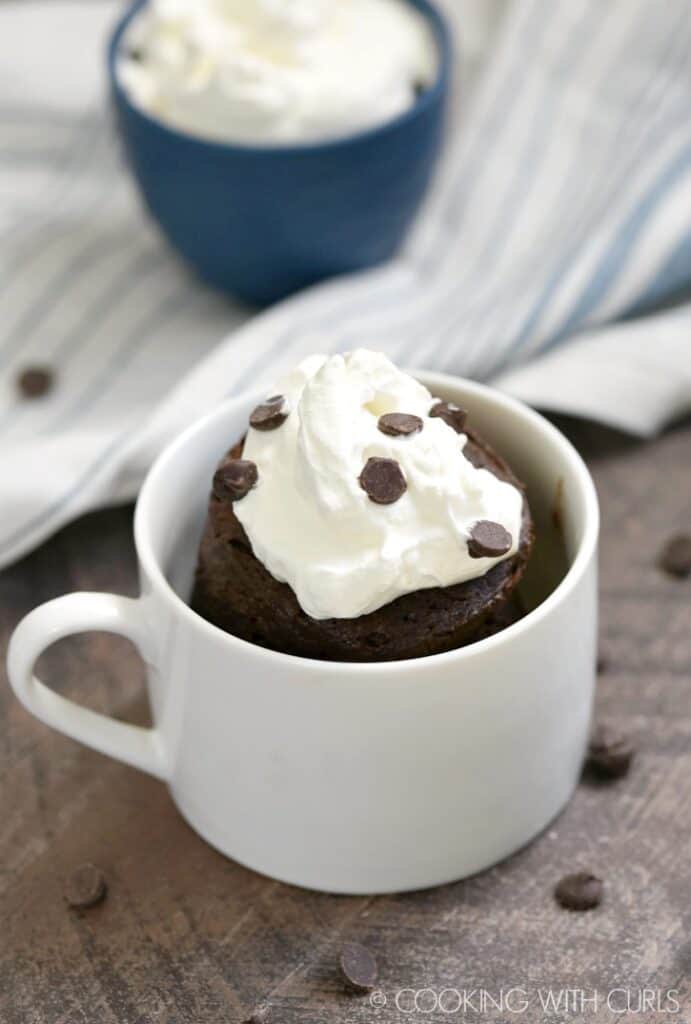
[602, 664]
[675, 557]
[270, 414]
[262, 1015]
[35, 381]
[581, 891]
[358, 968]
[452, 415]
[383, 481]
[85, 887]
[609, 753]
[399, 424]
[234, 479]
[488, 540]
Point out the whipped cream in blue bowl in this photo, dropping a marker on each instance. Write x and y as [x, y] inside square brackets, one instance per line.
[280, 142]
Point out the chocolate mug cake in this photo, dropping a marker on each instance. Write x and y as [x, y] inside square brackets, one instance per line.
[361, 519]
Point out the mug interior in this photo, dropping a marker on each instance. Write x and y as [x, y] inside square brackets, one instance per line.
[172, 507]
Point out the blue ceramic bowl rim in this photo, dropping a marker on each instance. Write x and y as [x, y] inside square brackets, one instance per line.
[423, 102]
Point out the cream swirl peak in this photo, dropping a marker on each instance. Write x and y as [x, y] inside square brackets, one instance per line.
[363, 492]
[272, 71]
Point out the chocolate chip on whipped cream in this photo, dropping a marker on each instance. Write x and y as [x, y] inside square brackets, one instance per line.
[342, 553]
[234, 479]
[489, 540]
[451, 414]
[399, 424]
[270, 414]
[382, 481]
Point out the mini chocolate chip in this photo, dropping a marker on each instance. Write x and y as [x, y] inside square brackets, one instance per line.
[602, 665]
[270, 414]
[136, 54]
[35, 381]
[399, 424]
[85, 887]
[234, 479]
[675, 558]
[609, 753]
[488, 540]
[452, 415]
[358, 967]
[581, 891]
[476, 457]
[383, 481]
[261, 1015]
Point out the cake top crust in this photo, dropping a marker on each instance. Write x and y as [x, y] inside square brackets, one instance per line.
[351, 515]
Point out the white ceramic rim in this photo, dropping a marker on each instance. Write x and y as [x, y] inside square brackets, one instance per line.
[435, 382]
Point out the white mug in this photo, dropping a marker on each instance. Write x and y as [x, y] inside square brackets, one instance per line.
[348, 778]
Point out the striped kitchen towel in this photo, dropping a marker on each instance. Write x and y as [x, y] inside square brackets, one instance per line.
[552, 258]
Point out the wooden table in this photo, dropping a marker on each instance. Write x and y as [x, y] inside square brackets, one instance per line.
[186, 936]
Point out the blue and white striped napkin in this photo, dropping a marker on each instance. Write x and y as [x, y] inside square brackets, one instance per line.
[561, 219]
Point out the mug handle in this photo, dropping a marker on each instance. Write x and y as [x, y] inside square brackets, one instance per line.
[79, 613]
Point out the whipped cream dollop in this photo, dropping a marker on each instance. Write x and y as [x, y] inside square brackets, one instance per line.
[276, 70]
[313, 525]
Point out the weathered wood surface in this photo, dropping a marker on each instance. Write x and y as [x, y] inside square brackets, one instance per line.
[187, 937]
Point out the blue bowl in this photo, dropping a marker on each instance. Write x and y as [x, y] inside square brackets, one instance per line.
[262, 222]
